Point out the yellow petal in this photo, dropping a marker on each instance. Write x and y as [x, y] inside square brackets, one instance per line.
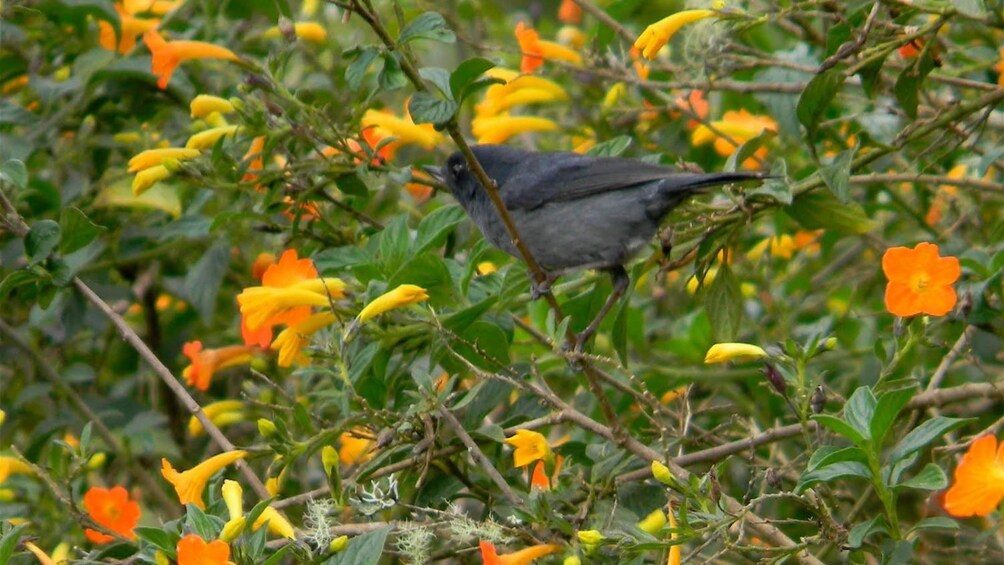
[722, 352]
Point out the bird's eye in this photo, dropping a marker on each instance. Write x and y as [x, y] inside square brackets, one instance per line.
[458, 168]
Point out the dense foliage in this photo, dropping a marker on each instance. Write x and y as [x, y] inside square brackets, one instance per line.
[231, 295]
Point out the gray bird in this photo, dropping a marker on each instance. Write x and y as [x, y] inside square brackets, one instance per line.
[575, 211]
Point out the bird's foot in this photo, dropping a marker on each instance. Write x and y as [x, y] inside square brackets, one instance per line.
[540, 289]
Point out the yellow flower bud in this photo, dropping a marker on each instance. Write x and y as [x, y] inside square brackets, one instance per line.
[266, 428]
[653, 522]
[662, 473]
[338, 544]
[161, 558]
[329, 458]
[590, 537]
[97, 461]
[572, 560]
[232, 529]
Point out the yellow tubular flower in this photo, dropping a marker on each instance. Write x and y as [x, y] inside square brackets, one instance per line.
[557, 52]
[403, 129]
[355, 447]
[403, 295]
[307, 31]
[204, 104]
[572, 36]
[675, 551]
[43, 557]
[190, 484]
[277, 524]
[13, 466]
[486, 268]
[658, 34]
[153, 157]
[291, 341]
[661, 473]
[232, 529]
[222, 413]
[260, 303]
[131, 27]
[529, 446]
[497, 129]
[722, 352]
[329, 459]
[208, 138]
[590, 537]
[147, 178]
[494, 105]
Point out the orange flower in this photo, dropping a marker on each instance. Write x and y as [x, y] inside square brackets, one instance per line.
[539, 478]
[570, 12]
[261, 263]
[286, 273]
[536, 50]
[193, 550]
[112, 509]
[205, 362]
[419, 190]
[693, 103]
[254, 159]
[355, 447]
[131, 27]
[999, 67]
[167, 55]
[920, 281]
[529, 446]
[490, 556]
[979, 480]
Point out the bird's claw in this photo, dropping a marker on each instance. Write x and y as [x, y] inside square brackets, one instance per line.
[540, 289]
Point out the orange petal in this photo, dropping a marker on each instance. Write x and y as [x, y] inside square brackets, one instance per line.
[938, 300]
[898, 263]
[901, 300]
[944, 271]
[925, 254]
[979, 481]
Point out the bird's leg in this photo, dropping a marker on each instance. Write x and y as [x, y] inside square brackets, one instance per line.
[540, 289]
[620, 279]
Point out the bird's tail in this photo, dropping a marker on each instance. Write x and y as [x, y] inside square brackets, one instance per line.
[698, 181]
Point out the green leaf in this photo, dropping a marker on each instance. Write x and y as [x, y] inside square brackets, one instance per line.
[831, 472]
[207, 526]
[908, 84]
[816, 97]
[777, 188]
[42, 240]
[394, 243]
[391, 76]
[429, 25]
[869, 76]
[9, 541]
[429, 272]
[351, 185]
[747, 149]
[356, 71]
[439, 77]
[887, 409]
[859, 411]
[78, 230]
[364, 549]
[14, 172]
[434, 228]
[826, 456]
[466, 73]
[16, 279]
[611, 147]
[428, 109]
[840, 427]
[820, 209]
[837, 174]
[924, 434]
[724, 305]
[98, 9]
[936, 522]
[931, 477]
[861, 531]
[162, 539]
[202, 283]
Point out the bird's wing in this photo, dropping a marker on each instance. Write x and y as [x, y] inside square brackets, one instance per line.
[543, 181]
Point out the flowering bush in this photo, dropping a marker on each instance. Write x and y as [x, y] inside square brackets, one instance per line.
[241, 323]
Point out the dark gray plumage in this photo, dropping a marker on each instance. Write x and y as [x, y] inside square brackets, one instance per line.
[575, 211]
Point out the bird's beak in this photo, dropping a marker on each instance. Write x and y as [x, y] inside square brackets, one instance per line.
[435, 172]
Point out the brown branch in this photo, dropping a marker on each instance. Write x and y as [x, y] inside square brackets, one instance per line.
[479, 456]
